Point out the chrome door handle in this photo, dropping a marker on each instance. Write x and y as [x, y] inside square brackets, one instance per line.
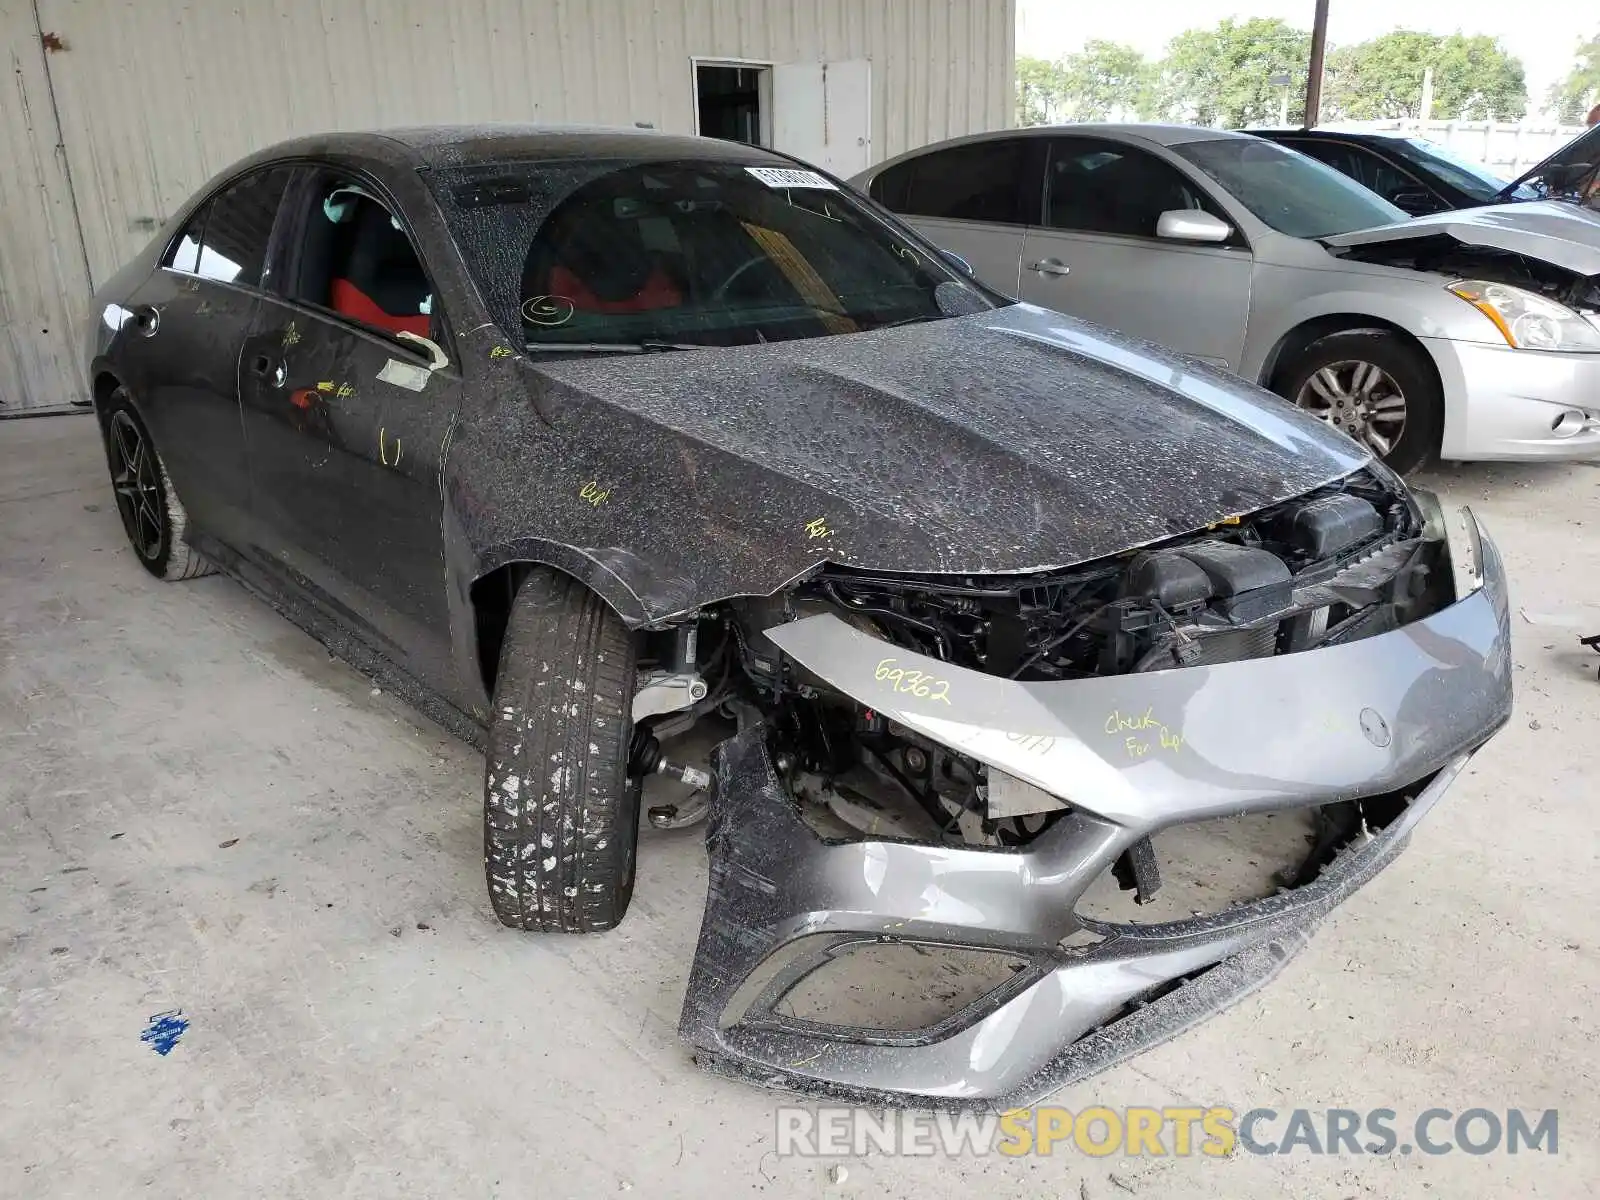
[274, 373]
[1051, 266]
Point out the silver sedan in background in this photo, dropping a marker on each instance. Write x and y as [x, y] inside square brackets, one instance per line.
[1463, 335]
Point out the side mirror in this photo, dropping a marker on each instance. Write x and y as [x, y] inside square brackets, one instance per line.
[959, 263]
[1415, 201]
[1192, 225]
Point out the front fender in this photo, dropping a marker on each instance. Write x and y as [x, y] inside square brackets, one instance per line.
[466, 567]
[602, 571]
[1283, 302]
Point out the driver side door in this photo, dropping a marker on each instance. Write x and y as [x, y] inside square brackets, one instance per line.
[345, 422]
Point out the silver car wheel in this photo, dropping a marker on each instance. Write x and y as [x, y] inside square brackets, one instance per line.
[1360, 398]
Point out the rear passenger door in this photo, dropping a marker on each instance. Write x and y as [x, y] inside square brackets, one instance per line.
[975, 199]
[179, 348]
[345, 422]
[1096, 253]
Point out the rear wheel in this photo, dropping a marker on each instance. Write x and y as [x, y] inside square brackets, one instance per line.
[1374, 386]
[560, 815]
[152, 515]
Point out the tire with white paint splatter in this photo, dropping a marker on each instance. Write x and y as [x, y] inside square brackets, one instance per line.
[560, 816]
[156, 533]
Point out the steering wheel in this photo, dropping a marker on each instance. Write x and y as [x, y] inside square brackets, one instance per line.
[720, 292]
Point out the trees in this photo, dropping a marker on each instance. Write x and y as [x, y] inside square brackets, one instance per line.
[1104, 81]
[1108, 81]
[1575, 95]
[1223, 76]
[1039, 91]
[1474, 78]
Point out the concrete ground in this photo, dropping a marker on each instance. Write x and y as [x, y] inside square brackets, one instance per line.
[202, 812]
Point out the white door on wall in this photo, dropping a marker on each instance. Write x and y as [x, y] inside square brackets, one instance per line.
[822, 112]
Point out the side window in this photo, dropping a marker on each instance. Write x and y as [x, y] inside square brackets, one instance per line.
[239, 225]
[1334, 154]
[1107, 187]
[981, 181]
[357, 261]
[889, 187]
[185, 252]
[1373, 172]
[1389, 181]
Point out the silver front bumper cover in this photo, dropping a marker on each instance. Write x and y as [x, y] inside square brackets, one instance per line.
[1131, 755]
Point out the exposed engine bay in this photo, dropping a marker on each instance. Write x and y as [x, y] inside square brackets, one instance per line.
[1342, 563]
[1444, 255]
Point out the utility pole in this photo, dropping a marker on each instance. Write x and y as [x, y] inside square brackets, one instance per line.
[1319, 49]
[1425, 109]
[1285, 81]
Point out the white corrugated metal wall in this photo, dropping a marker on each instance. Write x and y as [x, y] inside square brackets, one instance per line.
[44, 285]
[154, 96]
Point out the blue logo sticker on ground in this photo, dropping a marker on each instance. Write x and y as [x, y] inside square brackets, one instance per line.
[164, 1031]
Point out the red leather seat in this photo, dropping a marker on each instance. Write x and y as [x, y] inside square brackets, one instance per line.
[599, 262]
[381, 282]
[350, 300]
[657, 291]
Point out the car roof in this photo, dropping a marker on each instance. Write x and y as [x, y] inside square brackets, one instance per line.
[1161, 135]
[1348, 135]
[465, 145]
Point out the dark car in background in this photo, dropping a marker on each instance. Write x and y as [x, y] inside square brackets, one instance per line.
[1412, 173]
[1423, 177]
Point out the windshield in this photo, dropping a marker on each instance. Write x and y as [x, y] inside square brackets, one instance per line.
[1572, 173]
[605, 254]
[1473, 178]
[1293, 194]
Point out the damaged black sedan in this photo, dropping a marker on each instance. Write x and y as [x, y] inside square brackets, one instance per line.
[589, 441]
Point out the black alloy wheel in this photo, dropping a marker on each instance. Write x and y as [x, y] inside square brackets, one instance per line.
[136, 479]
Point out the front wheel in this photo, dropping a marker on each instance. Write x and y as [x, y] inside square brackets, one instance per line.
[1374, 386]
[560, 815]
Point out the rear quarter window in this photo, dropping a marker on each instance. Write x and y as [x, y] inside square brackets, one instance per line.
[980, 181]
[239, 225]
[184, 254]
[889, 187]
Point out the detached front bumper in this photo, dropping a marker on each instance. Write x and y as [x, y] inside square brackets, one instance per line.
[1399, 712]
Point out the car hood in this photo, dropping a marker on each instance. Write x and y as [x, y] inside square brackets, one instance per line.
[1556, 233]
[1012, 440]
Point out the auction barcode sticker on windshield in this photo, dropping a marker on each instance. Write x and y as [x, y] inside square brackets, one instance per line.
[789, 177]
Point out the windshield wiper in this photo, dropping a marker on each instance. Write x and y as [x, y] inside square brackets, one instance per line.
[916, 320]
[642, 346]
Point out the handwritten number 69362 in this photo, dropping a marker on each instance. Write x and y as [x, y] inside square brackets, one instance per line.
[916, 683]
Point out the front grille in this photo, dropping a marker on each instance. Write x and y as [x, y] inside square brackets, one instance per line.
[1236, 646]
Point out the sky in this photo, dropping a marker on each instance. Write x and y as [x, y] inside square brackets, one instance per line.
[1542, 33]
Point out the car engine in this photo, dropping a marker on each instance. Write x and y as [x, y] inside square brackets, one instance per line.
[1347, 561]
